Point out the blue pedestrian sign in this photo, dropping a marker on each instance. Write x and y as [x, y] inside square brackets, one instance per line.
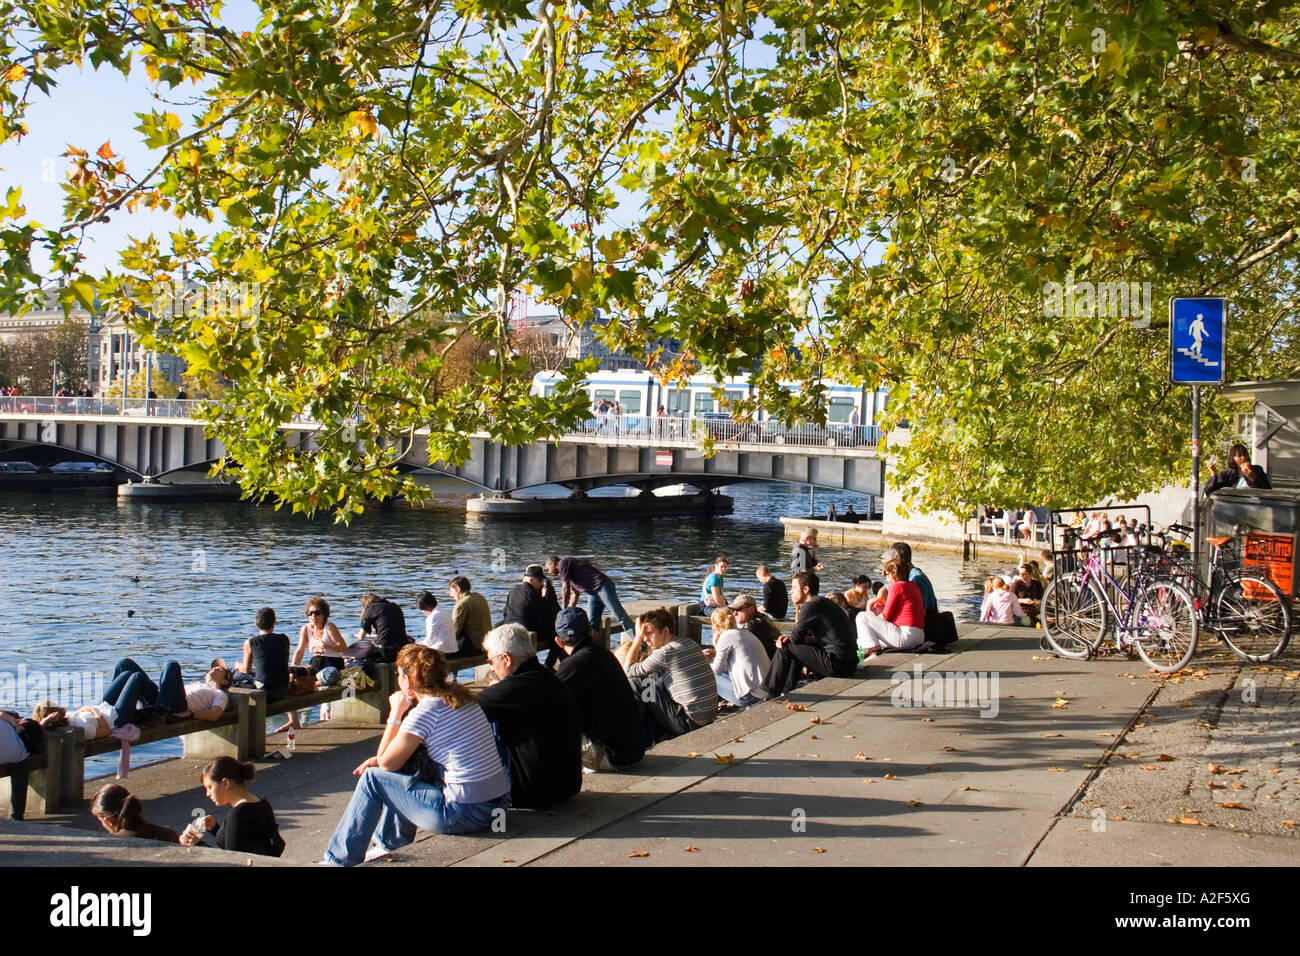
[1197, 330]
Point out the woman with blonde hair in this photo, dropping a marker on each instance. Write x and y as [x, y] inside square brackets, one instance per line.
[439, 734]
[740, 664]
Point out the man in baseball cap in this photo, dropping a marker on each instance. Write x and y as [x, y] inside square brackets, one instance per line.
[749, 618]
[612, 734]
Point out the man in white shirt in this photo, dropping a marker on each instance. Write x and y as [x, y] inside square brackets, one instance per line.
[438, 632]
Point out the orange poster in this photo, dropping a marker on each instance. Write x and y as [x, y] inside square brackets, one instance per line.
[1275, 555]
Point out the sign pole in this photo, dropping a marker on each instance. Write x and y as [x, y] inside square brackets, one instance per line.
[1196, 478]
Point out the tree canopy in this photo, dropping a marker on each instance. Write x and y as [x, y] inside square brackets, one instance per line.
[882, 192]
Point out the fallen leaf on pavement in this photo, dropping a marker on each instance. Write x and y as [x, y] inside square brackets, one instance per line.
[637, 854]
[790, 706]
[814, 720]
[1230, 804]
[1053, 735]
[724, 758]
[1037, 658]
[850, 736]
[1164, 758]
[927, 720]
[1058, 770]
[861, 756]
[692, 754]
[951, 750]
[976, 789]
[1190, 821]
[509, 859]
[692, 849]
[915, 803]
[1148, 766]
[890, 776]
[1060, 703]
[818, 849]
[1237, 786]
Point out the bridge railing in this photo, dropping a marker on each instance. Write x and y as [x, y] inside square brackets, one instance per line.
[38, 405]
[639, 430]
[723, 430]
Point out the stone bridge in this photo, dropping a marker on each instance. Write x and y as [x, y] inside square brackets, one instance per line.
[154, 439]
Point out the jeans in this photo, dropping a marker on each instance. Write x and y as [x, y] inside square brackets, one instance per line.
[727, 691]
[606, 597]
[131, 691]
[391, 805]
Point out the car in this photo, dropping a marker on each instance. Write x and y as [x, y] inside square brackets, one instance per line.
[18, 468]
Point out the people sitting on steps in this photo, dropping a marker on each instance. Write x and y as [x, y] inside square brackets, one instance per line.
[821, 642]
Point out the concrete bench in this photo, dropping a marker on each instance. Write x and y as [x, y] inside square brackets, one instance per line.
[57, 778]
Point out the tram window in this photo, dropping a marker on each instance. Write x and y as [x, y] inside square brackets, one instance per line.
[679, 403]
[841, 411]
[629, 402]
[703, 403]
[548, 391]
[599, 395]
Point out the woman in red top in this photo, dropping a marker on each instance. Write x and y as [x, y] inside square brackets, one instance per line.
[897, 620]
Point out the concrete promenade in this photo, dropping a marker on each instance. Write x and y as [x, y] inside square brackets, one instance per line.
[1071, 762]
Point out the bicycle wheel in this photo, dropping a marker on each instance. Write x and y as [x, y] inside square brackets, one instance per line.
[1252, 617]
[1074, 617]
[1166, 623]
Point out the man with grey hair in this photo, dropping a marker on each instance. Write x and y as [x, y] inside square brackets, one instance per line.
[537, 721]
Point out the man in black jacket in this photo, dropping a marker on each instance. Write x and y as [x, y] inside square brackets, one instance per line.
[537, 719]
[822, 640]
[613, 734]
[527, 604]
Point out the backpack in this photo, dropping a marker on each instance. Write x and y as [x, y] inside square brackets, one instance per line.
[940, 629]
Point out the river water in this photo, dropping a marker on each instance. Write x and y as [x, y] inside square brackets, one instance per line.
[88, 579]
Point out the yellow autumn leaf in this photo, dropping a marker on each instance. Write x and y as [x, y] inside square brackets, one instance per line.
[364, 120]
[15, 73]
[724, 758]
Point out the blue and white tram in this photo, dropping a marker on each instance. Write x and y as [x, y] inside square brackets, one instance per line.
[639, 396]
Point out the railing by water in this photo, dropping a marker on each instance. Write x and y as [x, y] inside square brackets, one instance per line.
[639, 430]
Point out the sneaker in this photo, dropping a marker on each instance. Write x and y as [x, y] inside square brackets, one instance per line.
[377, 852]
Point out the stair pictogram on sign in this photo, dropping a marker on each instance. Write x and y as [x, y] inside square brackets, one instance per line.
[1196, 356]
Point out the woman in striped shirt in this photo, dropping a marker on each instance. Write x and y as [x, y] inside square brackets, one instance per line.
[464, 782]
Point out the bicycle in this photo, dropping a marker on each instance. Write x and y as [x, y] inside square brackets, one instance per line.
[1242, 605]
[1153, 614]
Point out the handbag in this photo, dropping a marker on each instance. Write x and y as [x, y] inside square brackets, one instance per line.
[300, 684]
[421, 766]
